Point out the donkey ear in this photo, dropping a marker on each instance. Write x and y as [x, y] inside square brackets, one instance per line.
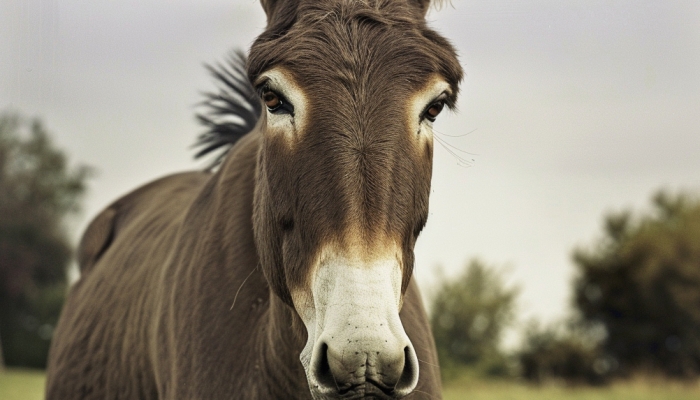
[269, 6]
[421, 6]
[273, 8]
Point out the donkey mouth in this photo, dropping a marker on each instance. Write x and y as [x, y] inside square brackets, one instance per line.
[332, 377]
[366, 390]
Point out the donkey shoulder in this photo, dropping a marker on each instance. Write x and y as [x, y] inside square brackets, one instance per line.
[152, 196]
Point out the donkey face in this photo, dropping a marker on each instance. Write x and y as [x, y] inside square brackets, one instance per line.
[350, 90]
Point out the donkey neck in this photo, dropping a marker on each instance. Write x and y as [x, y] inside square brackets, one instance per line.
[278, 335]
[278, 354]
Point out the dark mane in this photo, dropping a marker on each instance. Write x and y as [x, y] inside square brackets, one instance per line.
[229, 114]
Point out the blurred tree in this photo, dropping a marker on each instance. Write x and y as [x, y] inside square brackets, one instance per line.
[469, 315]
[37, 191]
[563, 351]
[641, 282]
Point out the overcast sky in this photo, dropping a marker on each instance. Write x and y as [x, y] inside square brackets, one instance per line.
[575, 108]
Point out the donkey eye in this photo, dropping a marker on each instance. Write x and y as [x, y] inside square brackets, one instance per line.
[272, 101]
[435, 108]
[275, 102]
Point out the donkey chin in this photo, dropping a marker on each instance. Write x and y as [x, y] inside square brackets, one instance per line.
[357, 346]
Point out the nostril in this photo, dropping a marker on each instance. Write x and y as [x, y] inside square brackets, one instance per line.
[322, 369]
[409, 376]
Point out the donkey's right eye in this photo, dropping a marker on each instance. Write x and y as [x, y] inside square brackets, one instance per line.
[271, 99]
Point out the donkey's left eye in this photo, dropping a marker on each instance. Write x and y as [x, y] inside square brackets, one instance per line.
[271, 99]
[435, 108]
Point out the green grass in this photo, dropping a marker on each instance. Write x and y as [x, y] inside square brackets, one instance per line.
[650, 389]
[22, 384]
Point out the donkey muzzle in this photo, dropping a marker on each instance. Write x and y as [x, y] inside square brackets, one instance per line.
[368, 366]
[357, 345]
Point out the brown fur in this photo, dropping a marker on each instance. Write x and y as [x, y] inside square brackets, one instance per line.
[151, 316]
[365, 59]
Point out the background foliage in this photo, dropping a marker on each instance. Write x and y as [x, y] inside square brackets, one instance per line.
[636, 306]
[38, 190]
[469, 315]
[641, 282]
[563, 352]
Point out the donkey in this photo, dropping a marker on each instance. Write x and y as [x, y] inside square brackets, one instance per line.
[285, 272]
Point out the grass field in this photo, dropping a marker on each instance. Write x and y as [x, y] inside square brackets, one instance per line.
[17, 384]
[637, 390]
[21, 384]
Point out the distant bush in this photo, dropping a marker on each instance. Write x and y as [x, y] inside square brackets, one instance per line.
[468, 316]
[38, 190]
[564, 353]
[641, 282]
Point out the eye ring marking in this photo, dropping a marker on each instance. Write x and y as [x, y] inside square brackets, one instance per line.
[434, 108]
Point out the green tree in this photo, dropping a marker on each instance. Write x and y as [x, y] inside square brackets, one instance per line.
[469, 315]
[641, 282]
[38, 190]
[563, 351]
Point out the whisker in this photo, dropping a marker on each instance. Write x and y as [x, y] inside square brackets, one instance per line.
[456, 148]
[425, 362]
[460, 161]
[240, 287]
[462, 135]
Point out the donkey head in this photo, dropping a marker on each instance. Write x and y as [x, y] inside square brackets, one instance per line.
[350, 91]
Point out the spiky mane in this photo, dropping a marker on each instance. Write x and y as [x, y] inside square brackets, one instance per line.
[230, 113]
